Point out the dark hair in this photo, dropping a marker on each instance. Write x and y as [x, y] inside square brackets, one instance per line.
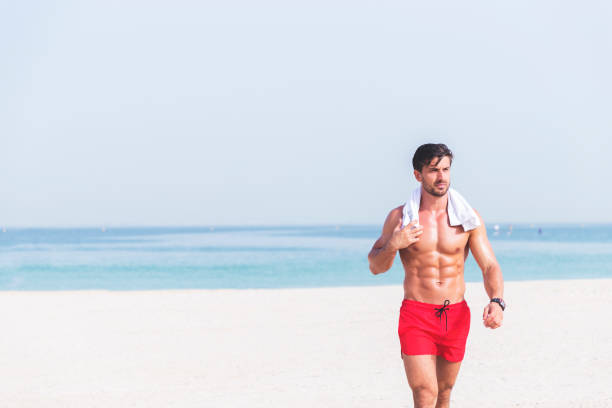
[427, 152]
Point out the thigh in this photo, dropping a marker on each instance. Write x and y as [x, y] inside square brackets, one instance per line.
[446, 372]
[421, 371]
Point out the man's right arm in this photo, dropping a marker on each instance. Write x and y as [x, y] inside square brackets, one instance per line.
[393, 237]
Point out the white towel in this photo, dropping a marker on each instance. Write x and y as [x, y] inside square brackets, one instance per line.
[459, 211]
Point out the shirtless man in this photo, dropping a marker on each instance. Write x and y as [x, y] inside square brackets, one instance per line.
[434, 318]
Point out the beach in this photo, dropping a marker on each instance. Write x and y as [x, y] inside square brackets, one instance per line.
[331, 347]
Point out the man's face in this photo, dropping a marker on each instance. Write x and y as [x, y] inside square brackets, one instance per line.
[435, 176]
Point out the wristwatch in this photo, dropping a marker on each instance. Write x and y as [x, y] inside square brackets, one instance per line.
[500, 302]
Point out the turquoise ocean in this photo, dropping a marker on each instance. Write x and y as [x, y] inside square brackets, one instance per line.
[269, 257]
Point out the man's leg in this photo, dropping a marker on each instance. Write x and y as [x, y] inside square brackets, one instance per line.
[421, 373]
[446, 373]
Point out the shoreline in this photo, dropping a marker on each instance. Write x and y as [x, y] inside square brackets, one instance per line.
[173, 290]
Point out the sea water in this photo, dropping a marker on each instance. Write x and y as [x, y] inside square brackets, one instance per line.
[270, 257]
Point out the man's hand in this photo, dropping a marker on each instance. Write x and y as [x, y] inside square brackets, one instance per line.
[404, 237]
[493, 315]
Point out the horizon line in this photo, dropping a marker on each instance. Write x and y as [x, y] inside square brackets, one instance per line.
[6, 228]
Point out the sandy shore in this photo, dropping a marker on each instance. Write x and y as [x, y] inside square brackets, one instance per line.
[329, 347]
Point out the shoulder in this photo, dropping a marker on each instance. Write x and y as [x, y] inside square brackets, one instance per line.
[481, 228]
[396, 213]
[393, 218]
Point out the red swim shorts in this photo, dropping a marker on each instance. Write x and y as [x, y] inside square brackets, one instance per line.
[440, 330]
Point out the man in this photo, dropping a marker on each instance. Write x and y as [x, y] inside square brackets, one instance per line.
[434, 318]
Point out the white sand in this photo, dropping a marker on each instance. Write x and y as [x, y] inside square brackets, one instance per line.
[331, 347]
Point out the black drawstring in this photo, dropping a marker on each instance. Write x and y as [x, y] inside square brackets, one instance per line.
[443, 309]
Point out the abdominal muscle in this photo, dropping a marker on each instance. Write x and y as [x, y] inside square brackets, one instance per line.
[432, 277]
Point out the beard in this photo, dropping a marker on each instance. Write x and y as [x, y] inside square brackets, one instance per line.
[431, 189]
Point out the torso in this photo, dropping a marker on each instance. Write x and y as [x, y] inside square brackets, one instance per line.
[434, 264]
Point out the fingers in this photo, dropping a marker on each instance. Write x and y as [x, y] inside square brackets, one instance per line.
[411, 228]
[409, 225]
[491, 319]
[407, 235]
[414, 224]
[414, 236]
[414, 228]
[398, 227]
[415, 233]
[494, 324]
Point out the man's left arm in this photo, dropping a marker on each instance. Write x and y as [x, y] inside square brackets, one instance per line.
[491, 273]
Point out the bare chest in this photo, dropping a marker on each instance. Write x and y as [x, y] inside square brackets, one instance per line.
[439, 236]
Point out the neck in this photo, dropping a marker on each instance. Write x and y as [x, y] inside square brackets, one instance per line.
[433, 203]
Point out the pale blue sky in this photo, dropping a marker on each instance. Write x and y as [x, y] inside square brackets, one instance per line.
[274, 112]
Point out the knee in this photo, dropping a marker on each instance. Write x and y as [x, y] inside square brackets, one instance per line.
[444, 391]
[424, 396]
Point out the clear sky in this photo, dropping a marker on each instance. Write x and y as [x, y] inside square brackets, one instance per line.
[277, 112]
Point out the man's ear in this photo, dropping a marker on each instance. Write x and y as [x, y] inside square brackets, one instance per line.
[418, 176]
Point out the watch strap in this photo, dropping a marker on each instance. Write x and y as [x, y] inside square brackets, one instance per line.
[500, 302]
